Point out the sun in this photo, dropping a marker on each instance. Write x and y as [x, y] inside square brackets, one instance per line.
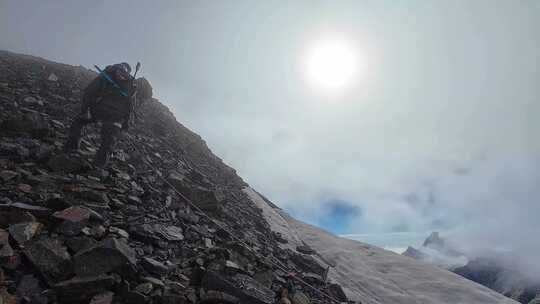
[331, 64]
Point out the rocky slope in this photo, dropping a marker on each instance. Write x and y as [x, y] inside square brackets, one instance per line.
[73, 234]
[498, 272]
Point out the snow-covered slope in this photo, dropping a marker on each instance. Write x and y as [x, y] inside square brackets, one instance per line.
[376, 276]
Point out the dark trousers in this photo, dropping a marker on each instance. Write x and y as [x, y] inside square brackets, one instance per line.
[110, 132]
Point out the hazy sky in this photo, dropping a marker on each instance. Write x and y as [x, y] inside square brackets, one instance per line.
[436, 131]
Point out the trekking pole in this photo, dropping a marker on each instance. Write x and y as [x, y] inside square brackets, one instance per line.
[137, 67]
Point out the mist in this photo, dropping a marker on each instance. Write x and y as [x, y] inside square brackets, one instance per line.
[438, 132]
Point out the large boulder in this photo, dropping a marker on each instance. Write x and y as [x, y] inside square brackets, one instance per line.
[51, 258]
[107, 256]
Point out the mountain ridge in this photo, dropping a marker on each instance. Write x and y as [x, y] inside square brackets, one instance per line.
[494, 270]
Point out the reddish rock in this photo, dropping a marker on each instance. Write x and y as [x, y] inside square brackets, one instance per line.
[73, 220]
[74, 214]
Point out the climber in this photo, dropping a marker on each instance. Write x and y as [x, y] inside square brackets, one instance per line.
[110, 99]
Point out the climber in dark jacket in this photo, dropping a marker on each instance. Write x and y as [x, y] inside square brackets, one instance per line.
[105, 103]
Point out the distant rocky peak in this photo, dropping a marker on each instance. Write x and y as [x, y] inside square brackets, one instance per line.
[434, 241]
[414, 253]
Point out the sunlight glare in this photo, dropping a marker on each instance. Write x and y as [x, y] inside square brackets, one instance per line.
[331, 64]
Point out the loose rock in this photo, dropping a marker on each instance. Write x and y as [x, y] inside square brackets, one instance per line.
[305, 249]
[144, 288]
[80, 243]
[78, 289]
[24, 232]
[30, 289]
[51, 258]
[337, 292]
[52, 77]
[241, 286]
[73, 219]
[109, 255]
[154, 266]
[74, 214]
[7, 175]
